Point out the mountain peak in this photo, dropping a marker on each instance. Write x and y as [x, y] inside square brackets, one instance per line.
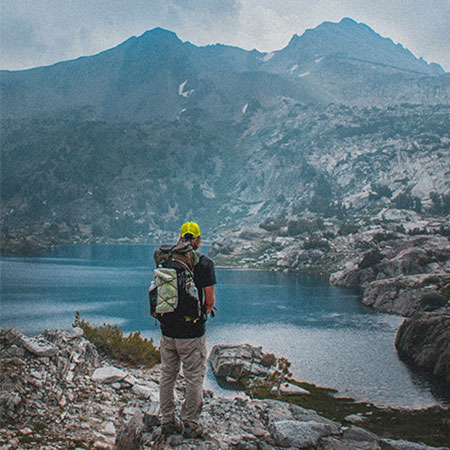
[160, 35]
[355, 41]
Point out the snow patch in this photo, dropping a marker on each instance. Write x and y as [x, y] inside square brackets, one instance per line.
[181, 90]
[207, 191]
[244, 109]
[255, 208]
[304, 74]
[268, 57]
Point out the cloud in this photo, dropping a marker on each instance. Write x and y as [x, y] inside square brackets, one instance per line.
[38, 32]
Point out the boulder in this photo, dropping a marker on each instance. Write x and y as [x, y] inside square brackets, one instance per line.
[234, 364]
[38, 346]
[424, 341]
[401, 444]
[130, 436]
[109, 374]
[146, 392]
[293, 433]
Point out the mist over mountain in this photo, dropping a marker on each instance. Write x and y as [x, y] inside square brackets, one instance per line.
[129, 142]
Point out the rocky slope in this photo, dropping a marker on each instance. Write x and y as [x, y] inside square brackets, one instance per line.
[75, 178]
[58, 393]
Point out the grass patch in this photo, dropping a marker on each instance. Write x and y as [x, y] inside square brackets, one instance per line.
[110, 340]
[429, 426]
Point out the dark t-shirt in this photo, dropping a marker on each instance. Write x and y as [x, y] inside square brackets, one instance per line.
[204, 275]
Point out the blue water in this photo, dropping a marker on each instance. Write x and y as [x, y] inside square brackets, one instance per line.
[328, 335]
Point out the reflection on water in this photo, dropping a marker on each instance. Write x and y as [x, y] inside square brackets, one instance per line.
[328, 335]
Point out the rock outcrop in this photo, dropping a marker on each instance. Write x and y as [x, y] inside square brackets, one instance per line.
[254, 424]
[77, 399]
[406, 295]
[235, 365]
[396, 272]
[424, 340]
[403, 277]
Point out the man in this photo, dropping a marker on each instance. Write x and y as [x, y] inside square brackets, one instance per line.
[183, 341]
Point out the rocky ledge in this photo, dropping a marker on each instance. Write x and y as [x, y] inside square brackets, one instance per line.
[423, 340]
[404, 277]
[57, 392]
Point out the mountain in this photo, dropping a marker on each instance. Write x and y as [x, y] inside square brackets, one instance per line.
[347, 41]
[156, 75]
[127, 143]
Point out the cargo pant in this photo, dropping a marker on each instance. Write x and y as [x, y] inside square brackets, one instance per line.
[192, 353]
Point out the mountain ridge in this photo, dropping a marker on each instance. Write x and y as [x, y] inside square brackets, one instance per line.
[140, 78]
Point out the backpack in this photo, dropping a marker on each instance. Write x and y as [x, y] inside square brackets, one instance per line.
[173, 294]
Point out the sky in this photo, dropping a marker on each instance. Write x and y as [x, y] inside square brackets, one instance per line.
[42, 32]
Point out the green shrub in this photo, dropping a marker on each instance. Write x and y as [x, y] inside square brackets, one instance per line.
[444, 231]
[300, 226]
[379, 237]
[445, 291]
[348, 228]
[371, 258]
[268, 360]
[271, 224]
[316, 244]
[417, 232]
[109, 339]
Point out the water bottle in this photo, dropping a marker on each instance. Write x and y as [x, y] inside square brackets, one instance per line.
[193, 290]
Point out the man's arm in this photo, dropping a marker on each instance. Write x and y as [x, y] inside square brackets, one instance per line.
[210, 298]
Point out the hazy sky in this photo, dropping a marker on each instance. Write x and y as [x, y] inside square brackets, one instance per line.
[42, 32]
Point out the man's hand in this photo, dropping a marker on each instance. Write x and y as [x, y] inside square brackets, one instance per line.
[210, 298]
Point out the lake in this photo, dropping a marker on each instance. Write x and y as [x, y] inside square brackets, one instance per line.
[329, 336]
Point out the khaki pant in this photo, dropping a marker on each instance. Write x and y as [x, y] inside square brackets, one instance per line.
[192, 353]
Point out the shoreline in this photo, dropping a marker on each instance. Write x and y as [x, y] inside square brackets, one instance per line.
[95, 400]
[440, 399]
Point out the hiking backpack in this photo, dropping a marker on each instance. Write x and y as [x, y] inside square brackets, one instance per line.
[173, 294]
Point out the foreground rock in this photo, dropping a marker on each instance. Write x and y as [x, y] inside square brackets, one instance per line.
[424, 340]
[255, 424]
[76, 399]
[234, 365]
[57, 392]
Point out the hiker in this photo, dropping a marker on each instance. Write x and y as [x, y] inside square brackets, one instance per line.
[183, 341]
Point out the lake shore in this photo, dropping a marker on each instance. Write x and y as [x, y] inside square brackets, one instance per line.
[398, 261]
[62, 394]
